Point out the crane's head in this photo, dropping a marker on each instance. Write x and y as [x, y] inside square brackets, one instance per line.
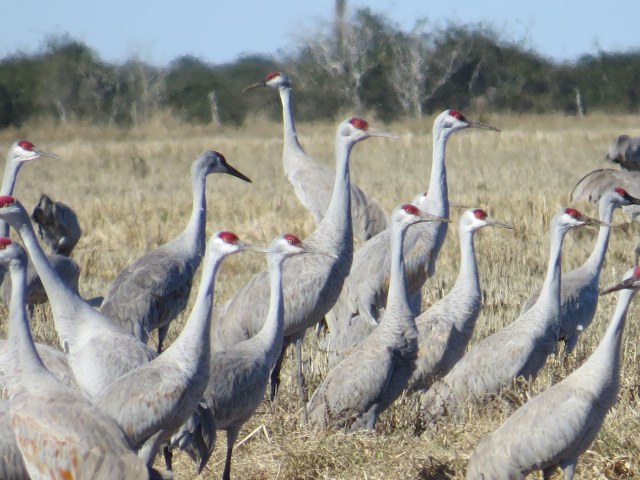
[210, 161]
[228, 243]
[409, 214]
[631, 281]
[356, 129]
[619, 197]
[476, 218]
[273, 80]
[12, 212]
[23, 151]
[569, 218]
[288, 245]
[616, 149]
[11, 252]
[451, 121]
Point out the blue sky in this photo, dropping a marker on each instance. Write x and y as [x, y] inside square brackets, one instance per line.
[219, 31]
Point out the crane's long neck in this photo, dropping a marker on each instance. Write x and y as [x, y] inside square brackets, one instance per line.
[194, 340]
[438, 197]
[271, 334]
[11, 170]
[336, 228]
[468, 280]
[20, 341]
[596, 259]
[195, 230]
[549, 299]
[65, 303]
[290, 134]
[397, 300]
[604, 363]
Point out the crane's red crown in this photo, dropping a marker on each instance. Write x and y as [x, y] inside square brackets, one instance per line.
[228, 237]
[272, 75]
[572, 212]
[25, 144]
[359, 123]
[411, 209]
[457, 115]
[636, 272]
[4, 242]
[621, 191]
[6, 200]
[480, 214]
[292, 239]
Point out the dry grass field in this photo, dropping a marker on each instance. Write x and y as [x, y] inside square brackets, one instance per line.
[131, 191]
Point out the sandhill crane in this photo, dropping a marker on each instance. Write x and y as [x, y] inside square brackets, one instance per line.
[365, 383]
[12, 466]
[98, 351]
[57, 224]
[625, 151]
[579, 289]
[444, 330]
[151, 401]
[153, 290]
[59, 433]
[312, 181]
[19, 153]
[311, 282]
[519, 349]
[239, 375]
[553, 429]
[364, 292]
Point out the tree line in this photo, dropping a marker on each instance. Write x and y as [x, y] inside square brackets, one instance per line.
[363, 63]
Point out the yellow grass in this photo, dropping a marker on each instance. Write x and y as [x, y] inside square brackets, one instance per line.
[131, 191]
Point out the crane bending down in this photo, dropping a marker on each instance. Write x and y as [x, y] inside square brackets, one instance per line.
[365, 383]
[444, 330]
[579, 289]
[152, 401]
[311, 282]
[312, 181]
[519, 349]
[553, 429]
[98, 350]
[153, 290]
[625, 151]
[21, 152]
[238, 376]
[58, 225]
[59, 433]
[364, 293]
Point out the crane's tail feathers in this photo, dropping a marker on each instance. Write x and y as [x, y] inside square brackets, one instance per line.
[197, 436]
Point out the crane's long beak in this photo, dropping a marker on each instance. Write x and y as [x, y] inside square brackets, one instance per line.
[255, 85]
[482, 126]
[625, 284]
[428, 217]
[251, 248]
[497, 223]
[42, 153]
[236, 173]
[379, 133]
[632, 200]
[595, 222]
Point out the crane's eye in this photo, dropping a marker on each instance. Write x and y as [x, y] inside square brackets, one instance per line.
[359, 123]
[573, 213]
[457, 115]
[4, 242]
[292, 239]
[26, 145]
[228, 237]
[480, 214]
[411, 209]
[6, 200]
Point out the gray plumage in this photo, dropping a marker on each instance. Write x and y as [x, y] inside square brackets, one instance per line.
[625, 151]
[365, 383]
[59, 433]
[153, 290]
[152, 401]
[98, 350]
[364, 293]
[311, 282]
[11, 465]
[593, 185]
[57, 225]
[579, 290]
[519, 349]
[19, 153]
[312, 181]
[444, 330]
[554, 428]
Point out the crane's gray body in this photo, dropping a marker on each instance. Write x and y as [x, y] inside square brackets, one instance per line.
[625, 151]
[554, 428]
[11, 465]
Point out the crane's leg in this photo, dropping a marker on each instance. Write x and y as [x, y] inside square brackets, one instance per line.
[168, 458]
[301, 391]
[570, 342]
[275, 373]
[162, 334]
[569, 468]
[232, 435]
[150, 448]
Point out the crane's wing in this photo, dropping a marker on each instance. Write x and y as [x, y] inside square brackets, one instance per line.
[594, 184]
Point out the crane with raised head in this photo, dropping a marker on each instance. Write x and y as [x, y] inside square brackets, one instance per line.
[579, 289]
[554, 428]
[312, 181]
[59, 433]
[239, 375]
[312, 283]
[98, 351]
[151, 401]
[364, 384]
[153, 290]
[519, 349]
[364, 293]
